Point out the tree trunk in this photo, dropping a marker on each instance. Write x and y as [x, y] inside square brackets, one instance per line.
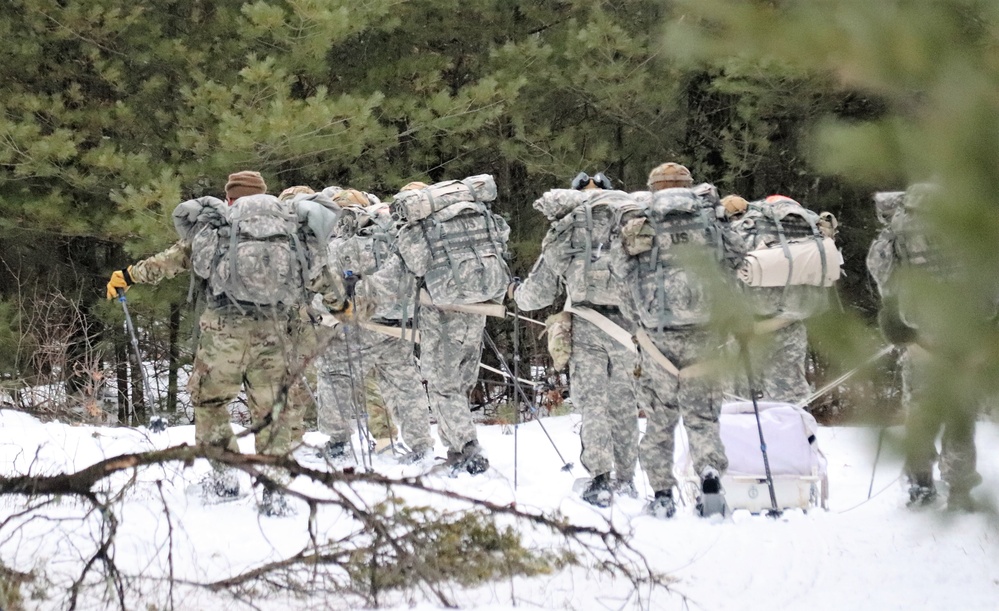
[173, 358]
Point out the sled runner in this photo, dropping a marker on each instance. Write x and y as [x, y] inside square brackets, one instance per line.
[797, 464]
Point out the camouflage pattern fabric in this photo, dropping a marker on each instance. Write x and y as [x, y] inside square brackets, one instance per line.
[602, 386]
[902, 243]
[450, 349]
[356, 355]
[380, 422]
[262, 352]
[163, 265]
[778, 361]
[924, 421]
[575, 255]
[696, 399]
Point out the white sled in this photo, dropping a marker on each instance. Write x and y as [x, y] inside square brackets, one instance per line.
[797, 465]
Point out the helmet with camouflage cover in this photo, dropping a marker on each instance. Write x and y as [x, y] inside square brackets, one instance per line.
[351, 197]
[734, 205]
[291, 192]
[670, 175]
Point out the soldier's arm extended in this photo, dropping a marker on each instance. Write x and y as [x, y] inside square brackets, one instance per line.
[545, 279]
[166, 264]
[540, 287]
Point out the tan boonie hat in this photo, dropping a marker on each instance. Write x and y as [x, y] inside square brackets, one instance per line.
[669, 175]
[245, 183]
[291, 192]
[734, 205]
[351, 197]
[414, 186]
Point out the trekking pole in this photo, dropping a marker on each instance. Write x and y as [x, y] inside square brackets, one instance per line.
[755, 394]
[877, 455]
[516, 381]
[157, 423]
[849, 374]
[350, 282]
[566, 466]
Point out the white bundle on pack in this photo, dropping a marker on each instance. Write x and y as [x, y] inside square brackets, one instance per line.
[415, 205]
[800, 264]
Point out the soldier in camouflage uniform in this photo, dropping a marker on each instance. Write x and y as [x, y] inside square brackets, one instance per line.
[694, 395]
[779, 357]
[259, 350]
[360, 360]
[451, 339]
[904, 246]
[601, 369]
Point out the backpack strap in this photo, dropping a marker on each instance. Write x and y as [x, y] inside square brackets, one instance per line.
[233, 259]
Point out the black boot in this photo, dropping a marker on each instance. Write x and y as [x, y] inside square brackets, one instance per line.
[712, 499]
[598, 492]
[333, 451]
[922, 491]
[663, 505]
[470, 459]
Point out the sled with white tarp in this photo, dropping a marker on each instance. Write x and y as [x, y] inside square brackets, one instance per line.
[797, 465]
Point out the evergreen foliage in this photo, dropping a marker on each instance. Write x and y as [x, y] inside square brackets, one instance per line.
[114, 113]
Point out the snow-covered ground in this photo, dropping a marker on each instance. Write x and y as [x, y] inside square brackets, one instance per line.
[858, 554]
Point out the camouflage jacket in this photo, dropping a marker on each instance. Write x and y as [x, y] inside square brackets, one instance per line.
[177, 259]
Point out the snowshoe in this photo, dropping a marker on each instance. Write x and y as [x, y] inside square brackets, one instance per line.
[599, 493]
[274, 503]
[414, 456]
[712, 499]
[626, 488]
[469, 459]
[334, 452]
[922, 491]
[220, 485]
[663, 505]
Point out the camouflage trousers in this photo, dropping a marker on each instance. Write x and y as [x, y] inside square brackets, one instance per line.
[380, 423]
[778, 363]
[262, 353]
[924, 420]
[696, 399]
[355, 355]
[450, 349]
[602, 386]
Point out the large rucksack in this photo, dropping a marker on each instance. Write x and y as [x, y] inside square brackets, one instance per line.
[365, 244]
[260, 257]
[881, 261]
[660, 241]
[453, 241]
[584, 224]
[913, 245]
[790, 261]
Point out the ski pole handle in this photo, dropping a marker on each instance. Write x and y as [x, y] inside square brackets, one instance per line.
[350, 283]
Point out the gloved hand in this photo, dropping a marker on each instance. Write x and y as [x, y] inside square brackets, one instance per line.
[893, 328]
[512, 287]
[356, 310]
[350, 280]
[120, 279]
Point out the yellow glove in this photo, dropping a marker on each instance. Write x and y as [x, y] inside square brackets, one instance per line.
[120, 279]
[356, 310]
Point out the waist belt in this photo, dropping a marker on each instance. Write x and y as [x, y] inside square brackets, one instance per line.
[606, 310]
[600, 320]
[252, 310]
[391, 322]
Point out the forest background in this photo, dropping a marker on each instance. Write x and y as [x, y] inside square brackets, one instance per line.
[111, 113]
